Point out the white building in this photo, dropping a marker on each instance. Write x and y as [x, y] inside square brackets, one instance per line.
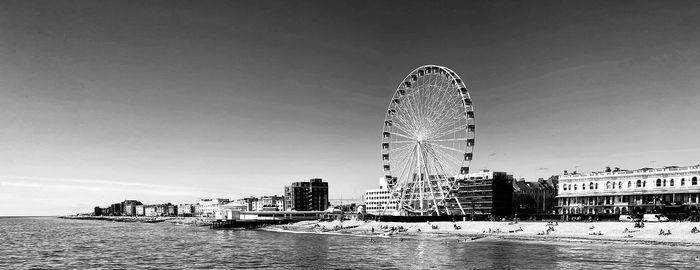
[207, 207]
[661, 190]
[150, 210]
[140, 210]
[269, 203]
[379, 201]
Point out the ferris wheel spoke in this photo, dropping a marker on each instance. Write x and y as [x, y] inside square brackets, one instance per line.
[447, 140]
[444, 159]
[448, 132]
[402, 129]
[447, 159]
[449, 148]
[404, 136]
[437, 172]
[439, 175]
[401, 182]
[397, 141]
[400, 148]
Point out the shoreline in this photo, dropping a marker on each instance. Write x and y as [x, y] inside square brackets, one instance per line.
[141, 219]
[610, 232]
[534, 231]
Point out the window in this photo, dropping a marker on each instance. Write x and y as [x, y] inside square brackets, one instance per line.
[591, 185]
[619, 185]
[671, 182]
[629, 184]
[694, 181]
[596, 185]
[583, 187]
[664, 182]
[639, 183]
[682, 181]
[658, 182]
[575, 187]
[607, 185]
[564, 187]
[644, 184]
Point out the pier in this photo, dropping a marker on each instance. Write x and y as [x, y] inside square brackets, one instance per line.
[230, 219]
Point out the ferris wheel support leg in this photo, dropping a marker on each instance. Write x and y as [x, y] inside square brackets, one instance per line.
[430, 184]
[460, 206]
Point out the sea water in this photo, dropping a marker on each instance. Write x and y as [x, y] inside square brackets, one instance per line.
[47, 242]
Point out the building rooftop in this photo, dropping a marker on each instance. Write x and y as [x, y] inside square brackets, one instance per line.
[618, 171]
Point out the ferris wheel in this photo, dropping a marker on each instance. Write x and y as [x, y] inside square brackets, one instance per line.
[428, 141]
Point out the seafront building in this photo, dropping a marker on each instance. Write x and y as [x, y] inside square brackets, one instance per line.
[250, 202]
[671, 190]
[379, 201]
[207, 207]
[481, 195]
[535, 198]
[306, 196]
[140, 210]
[129, 207]
[270, 203]
[149, 210]
[485, 194]
[235, 206]
[185, 210]
[125, 208]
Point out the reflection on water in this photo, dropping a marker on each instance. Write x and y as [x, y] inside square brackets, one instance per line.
[58, 243]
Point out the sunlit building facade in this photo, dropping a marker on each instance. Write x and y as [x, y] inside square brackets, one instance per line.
[378, 201]
[670, 190]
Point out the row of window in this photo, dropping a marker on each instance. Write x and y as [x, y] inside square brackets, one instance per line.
[638, 183]
[380, 207]
[382, 202]
[378, 198]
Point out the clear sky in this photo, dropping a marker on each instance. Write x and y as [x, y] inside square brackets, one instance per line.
[171, 101]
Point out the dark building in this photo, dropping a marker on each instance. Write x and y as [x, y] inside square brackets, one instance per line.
[97, 212]
[486, 194]
[129, 207]
[115, 209]
[535, 198]
[306, 196]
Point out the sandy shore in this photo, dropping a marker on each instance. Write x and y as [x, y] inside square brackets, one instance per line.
[536, 231]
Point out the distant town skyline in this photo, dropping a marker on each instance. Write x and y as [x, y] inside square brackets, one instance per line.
[171, 101]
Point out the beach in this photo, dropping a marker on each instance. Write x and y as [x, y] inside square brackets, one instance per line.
[680, 232]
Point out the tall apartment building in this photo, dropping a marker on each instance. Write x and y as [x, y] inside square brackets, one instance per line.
[486, 194]
[307, 196]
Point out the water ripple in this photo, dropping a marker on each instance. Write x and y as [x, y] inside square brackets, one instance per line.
[40, 243]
